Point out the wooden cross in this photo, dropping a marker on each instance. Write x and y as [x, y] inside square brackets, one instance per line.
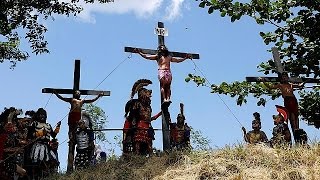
[280, 70]
[76, 86]
[165, 113]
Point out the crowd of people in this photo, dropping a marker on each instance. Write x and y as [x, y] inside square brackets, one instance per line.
[29, 147]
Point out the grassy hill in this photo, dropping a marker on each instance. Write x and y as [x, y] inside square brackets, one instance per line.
[236, 163]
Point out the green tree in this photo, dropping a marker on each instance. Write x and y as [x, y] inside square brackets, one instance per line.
[98, 118]
[297, 36]
[18, 17]
[198, 141]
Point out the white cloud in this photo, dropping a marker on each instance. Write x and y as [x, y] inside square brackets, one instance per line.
[140, 8]
[174, 9]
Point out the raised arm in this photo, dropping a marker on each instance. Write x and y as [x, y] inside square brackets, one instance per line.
[149, 57]
[245, 135]
[54, 132]
[178, 60]
[92, 100]
[156, 116]
[63, 98]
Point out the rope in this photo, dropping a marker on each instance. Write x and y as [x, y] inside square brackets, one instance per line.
[47, 102]
[128, 57]
[217, 94]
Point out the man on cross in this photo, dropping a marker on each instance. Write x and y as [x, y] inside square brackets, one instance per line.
[290, 101]
[164, 59]
[75, 111]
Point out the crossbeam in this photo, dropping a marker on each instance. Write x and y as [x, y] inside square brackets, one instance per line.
[71, 91]
[277, 79]
[76, 85]
[280, 70]
[152, 51]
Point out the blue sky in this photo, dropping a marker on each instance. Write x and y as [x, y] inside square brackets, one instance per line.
[228, 52]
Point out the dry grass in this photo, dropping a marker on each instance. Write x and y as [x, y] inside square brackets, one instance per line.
[233, 163]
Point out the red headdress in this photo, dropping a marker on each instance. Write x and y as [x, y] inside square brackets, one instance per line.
[283, 112]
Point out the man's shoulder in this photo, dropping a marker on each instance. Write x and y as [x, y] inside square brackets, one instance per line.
[262, 132]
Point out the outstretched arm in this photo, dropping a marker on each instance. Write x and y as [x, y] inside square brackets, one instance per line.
[273, 86]
[300, 85]
[149, 57]
[178, 60]
[156, 116]
[62, 98]
[92, 100]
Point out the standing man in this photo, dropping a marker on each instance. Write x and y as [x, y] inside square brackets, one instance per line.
[255, 135]
[164, 71]
[180, 132]
[41, 132]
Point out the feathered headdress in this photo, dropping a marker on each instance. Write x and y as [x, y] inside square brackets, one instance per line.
[283, 112]
[138, 85]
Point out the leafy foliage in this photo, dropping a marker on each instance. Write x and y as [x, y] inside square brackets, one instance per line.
[239, 90]
[296, 35]
[310, 104]
[98, 118]
[198, 141]
[19, 17]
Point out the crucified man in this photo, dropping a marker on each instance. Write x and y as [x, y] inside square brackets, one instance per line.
[290, 101]
[76, 107]
[164, 60]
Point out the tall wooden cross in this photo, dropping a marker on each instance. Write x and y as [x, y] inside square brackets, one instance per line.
[279, 70]
[76, 86]
[161, 32]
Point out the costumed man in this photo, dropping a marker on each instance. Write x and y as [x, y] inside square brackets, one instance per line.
[290, 101]
[180, 132]
[85, 145]
[73, 119]
[11, 146]
[139, 111]
[164, 60]
[281, 133]
[255, 135]
[40, 151]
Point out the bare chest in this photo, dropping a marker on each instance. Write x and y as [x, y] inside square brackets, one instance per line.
[286, 89]
[164, 60]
